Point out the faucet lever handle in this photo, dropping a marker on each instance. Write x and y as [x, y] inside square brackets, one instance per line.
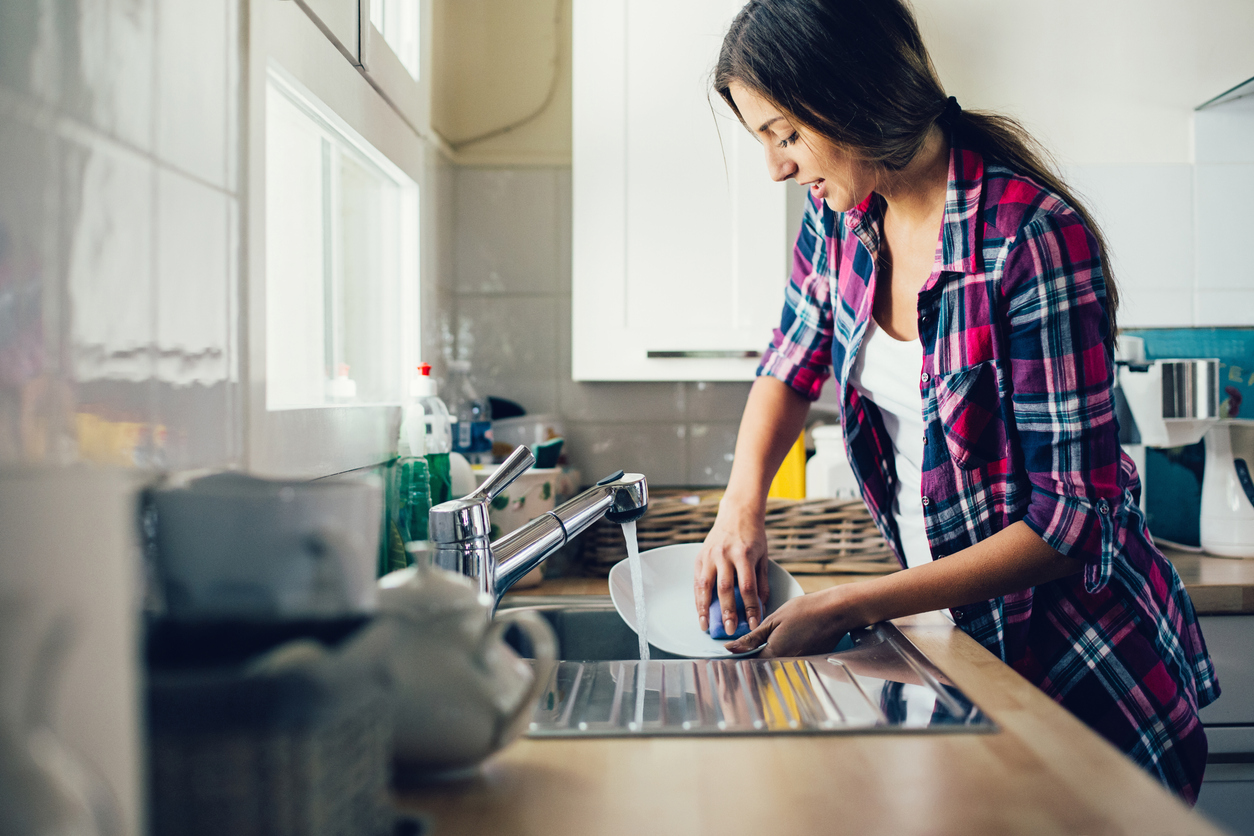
[514, 466]
[613, 477]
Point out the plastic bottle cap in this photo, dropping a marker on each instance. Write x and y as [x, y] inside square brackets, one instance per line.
[422, 385]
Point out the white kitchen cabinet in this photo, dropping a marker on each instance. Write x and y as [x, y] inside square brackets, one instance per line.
[680, 239]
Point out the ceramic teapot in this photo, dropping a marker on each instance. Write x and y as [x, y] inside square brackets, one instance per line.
[461, 692]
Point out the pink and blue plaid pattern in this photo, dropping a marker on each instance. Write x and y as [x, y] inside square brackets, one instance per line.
[1020, 425]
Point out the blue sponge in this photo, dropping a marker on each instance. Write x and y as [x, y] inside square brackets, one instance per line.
[717, 630]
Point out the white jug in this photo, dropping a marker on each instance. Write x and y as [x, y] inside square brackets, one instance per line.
[461, 692]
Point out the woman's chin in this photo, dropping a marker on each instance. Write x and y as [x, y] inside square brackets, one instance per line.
[839, 203]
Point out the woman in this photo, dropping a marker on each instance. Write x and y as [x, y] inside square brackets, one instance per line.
[962, 297]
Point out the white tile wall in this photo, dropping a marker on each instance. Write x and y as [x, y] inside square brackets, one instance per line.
[710, 448]
[117, 61]
[1146, 215]
[110, 278]
[511, 341]
[658, 450]
[1155, 307]
[1224, 202]
[119, 232]
[1218, 308]
[192, 80]
[1225, 133]
[508, 232]
[192, 266]
[1178, 233]
[1225, 225]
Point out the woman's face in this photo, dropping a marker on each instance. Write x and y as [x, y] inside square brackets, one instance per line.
[831, 173]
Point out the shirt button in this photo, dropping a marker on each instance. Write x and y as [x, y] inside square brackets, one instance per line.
[1103, 507]
[926, 377]
[928, 501]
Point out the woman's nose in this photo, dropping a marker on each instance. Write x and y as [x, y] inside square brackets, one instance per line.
[779, 166]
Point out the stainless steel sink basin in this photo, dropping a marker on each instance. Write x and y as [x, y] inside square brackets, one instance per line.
[876, 681]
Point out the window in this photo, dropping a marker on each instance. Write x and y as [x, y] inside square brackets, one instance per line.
[341, 259]
[399, 21]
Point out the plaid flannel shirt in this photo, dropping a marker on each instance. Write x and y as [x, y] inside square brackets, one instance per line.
[1020, 425]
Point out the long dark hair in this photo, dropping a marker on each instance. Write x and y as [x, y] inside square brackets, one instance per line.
[857, 73]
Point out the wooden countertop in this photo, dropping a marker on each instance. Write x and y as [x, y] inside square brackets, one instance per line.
[1217, 585]
[1044, 772]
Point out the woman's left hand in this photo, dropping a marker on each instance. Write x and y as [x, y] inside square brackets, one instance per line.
[804, 626]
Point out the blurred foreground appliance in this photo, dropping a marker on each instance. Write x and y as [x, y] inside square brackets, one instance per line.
[268, 701]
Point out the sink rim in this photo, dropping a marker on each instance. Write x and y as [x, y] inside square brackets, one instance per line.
[881, 653]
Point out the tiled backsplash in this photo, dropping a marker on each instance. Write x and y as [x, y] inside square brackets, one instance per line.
[1180, 233]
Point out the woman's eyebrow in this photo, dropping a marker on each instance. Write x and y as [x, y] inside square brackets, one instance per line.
[768, 124]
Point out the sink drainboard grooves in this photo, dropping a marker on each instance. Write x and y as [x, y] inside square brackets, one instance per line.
[750, 696]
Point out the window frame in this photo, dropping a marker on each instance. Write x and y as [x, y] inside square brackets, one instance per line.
[317, 441]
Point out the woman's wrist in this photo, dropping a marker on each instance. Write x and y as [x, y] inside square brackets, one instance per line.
[851, 605]
[743, 498]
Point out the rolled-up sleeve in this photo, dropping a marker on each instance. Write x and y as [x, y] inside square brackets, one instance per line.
[800, 352]
[1061, 376]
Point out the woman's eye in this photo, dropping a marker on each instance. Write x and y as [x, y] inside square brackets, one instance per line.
[784, 143]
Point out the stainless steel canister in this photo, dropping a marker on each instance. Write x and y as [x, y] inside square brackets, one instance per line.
[1190, 388]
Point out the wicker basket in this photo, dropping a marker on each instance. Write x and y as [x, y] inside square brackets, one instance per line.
[808, 536]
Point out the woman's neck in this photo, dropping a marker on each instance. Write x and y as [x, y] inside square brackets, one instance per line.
[915, 195]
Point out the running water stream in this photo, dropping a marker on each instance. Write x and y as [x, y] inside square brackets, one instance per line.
[637, 588]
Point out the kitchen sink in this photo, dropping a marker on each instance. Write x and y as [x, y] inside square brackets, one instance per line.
[875, 681]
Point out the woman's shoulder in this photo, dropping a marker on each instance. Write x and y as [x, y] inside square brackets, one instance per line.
[1013, 202]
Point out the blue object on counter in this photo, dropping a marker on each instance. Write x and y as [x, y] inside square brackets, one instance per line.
[718, 631]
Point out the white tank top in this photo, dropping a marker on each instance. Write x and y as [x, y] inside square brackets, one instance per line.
[887, 371]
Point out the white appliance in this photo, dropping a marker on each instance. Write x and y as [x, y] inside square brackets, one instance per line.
[1176, 402]
[1227, 489]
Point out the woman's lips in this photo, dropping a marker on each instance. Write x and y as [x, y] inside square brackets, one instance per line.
[817, 189]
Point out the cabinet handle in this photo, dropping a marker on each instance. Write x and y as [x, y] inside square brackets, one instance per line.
[705, 354]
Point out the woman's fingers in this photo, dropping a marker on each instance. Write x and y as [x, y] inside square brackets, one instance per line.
[703, 590]
[726, 587]
[752, 640]
[750, 591]
[764, 585]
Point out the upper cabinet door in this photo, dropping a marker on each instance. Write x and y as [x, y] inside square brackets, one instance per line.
[680, 238]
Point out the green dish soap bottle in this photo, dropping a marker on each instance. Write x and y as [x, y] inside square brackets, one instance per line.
[429, 432]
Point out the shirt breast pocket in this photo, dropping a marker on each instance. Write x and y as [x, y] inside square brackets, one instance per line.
[969, 406]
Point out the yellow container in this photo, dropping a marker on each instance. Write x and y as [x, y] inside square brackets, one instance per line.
[790, 479]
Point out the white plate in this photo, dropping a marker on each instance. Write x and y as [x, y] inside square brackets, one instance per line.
[668, 594]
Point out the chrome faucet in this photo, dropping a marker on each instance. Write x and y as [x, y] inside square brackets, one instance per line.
[460, 529]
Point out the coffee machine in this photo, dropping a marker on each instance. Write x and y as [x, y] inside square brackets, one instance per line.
[1175, 403]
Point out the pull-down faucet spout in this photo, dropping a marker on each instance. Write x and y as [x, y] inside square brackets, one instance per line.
[460, 528]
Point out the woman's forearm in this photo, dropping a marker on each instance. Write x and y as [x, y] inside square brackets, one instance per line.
[773, 418]
[1013, 559]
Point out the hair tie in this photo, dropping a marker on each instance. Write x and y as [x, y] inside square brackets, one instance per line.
[952, 108]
